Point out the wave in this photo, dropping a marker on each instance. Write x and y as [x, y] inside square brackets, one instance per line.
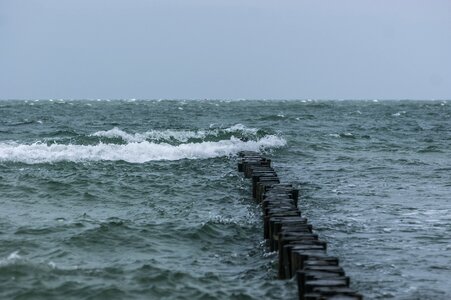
[172, 134]
[10, 259]
[155, 135]
[133, 152]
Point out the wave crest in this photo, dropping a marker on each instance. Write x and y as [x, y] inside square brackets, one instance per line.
[133, 152]
[172, 134]
[153, 135]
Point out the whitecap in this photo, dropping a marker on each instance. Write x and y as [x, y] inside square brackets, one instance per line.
[134, 152]
[172, 134]
[14, 256]
[118, 133]
[153, 135]
[399, 113]
[241, 128]
[11, 258]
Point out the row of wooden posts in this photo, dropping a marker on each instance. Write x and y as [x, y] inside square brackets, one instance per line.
[301, 253]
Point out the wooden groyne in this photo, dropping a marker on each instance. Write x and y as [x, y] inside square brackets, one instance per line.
[301, 253]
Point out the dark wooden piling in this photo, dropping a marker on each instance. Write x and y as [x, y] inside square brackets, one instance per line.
[300, 252]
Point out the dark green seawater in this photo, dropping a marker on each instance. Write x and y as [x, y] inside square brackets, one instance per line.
[142, 199]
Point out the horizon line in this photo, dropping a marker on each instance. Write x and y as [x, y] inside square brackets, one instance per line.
[225, 99]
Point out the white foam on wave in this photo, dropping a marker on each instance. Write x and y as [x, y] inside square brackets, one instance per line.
[241, 128]
[135, 152]
[11, 258]
[14, 255]
[399, 113]
[168, 134]
[15, 259]
[179, 135]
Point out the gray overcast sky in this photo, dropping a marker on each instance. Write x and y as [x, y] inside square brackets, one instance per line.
[353, 49]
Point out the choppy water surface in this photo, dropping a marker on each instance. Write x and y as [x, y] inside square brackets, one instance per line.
[141, 199]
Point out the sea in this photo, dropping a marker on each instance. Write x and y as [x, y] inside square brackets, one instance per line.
[141, 199]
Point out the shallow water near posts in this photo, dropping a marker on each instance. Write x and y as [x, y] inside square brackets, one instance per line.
[142, 199]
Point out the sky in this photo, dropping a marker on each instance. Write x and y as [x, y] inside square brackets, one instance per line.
[225, 49]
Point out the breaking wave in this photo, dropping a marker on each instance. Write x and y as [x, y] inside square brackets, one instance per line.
[172, 134]
[154, 135]
[133, 152]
